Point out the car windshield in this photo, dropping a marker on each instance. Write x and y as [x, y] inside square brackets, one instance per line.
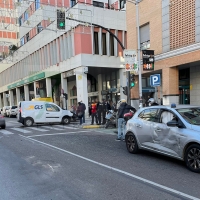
[13, 107]
[191, 115]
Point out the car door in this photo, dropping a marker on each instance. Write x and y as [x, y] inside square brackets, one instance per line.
[53, 113]
[143, 126]
[166, 139]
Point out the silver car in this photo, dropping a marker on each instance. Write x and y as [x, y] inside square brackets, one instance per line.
[172, 131]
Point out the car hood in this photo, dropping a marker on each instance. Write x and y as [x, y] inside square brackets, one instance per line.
[195, 128]
[67, 112]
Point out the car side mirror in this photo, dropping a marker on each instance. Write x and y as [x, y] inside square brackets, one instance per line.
[172, 123]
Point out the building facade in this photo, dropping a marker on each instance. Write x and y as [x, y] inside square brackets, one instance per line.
[172, 30]
[83, 61]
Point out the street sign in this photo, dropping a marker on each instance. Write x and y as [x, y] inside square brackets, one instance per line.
[148, 60]
[130, 58]
[155, 80]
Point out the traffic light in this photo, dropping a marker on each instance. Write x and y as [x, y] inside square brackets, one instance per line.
[60, 19]
[125, 90]
[132, 80]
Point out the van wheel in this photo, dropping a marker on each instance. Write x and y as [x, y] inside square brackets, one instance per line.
[28, 122]
[65, 120]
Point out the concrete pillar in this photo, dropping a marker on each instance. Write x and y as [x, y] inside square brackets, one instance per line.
[48, 87]
[1, 103]
[11, 100]
[26, 93]
[99, 79]
[170, 85]
[81, 83]
[4, 99]
[64, 88]
[18, 95]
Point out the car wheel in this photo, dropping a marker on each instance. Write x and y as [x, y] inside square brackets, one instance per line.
[192, 158]
[65, 120]
[3, 127]
[28, 122]
[131, 143]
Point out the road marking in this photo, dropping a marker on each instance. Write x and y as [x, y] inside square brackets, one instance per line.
[22, 130]
[5, 132]
[52, 134]
[118, 170]
[53, 128]
[38, 129]
[66, 127]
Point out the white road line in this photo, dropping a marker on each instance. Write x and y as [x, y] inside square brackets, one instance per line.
[66, 127]
[120, 171]
[53, 128]
[22, 130]
[52, 134]
[38, 129]
[5, 132]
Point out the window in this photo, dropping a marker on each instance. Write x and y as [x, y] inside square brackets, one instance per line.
[52, 108]
[149, 115]
[37, 4]
[39, 28]
[22, 41]
[72, 3]
[27, 37]
[96, 43]
[26, 15]
[98, 4]
[111, 45]
[122, 3]
[145, 36]
[21, 21]
[104, 51]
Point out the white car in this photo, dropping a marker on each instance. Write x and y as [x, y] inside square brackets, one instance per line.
[42, 112]
[12, 111]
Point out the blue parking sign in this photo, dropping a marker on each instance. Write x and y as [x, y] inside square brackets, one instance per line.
[155, 80]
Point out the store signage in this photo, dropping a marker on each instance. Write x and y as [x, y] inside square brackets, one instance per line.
[155, 80]
[130, 58]
[148, 60]
[69, 73]
[27, 80]
[93, 94]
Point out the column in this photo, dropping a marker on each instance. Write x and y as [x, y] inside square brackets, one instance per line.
[26, 93]
[170, 85]
[99, 79]
[64, 89]
[4, 99]
[11, 100]
[1, 104]
[48, 87]
[18, 95]
[81, 83]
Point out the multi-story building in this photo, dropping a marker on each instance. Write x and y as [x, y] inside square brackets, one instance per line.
[172, 29]
[8, 30]
[83, 60]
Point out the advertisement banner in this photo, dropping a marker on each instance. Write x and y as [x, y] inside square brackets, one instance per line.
[148, 60]
[130, 58]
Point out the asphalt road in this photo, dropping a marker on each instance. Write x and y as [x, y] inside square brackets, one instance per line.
[66, 162]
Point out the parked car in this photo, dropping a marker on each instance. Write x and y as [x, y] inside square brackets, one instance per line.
[5, 108]
[172, 131]
[42, 112]
[12, 111]
[2, 122]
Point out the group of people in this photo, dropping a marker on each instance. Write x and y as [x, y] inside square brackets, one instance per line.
[98, 109]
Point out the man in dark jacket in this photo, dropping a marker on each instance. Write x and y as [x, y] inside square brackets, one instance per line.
[123, 108]
[84, 108]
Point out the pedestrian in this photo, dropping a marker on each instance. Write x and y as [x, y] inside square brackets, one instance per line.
[123, 108]
[99, 111]
[147, 101]
[80, 110]
[89, 109]
[84, 108]
[108, 105]
[104, 111]
[94, 112]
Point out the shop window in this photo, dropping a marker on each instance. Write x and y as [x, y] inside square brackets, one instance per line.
[111, 45]
[96, 43]
[104, 51]
[73, 91]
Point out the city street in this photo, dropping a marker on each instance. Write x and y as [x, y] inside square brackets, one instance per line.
[67, 162]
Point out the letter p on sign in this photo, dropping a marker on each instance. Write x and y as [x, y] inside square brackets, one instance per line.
[155, 80]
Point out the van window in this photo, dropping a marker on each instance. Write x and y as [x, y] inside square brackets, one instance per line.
[52, 108]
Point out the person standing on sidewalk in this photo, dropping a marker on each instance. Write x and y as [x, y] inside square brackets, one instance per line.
[123, 108]
[84, 107]
[99, 111]
[80, 111]
[94, 112]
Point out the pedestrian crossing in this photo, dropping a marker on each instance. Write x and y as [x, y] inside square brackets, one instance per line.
[36, 129]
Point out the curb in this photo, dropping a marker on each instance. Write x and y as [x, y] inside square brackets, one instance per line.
[93, 126]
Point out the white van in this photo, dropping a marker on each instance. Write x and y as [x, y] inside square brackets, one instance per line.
[30, 112]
